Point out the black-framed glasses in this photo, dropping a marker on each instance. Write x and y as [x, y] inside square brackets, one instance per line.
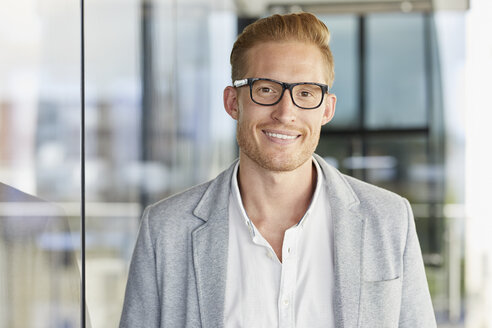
[268, 92]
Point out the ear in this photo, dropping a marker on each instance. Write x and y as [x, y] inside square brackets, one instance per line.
[329, 107]
[230, 102]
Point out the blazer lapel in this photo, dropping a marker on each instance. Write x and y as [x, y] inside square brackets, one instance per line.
[210, 247]
[348, 234]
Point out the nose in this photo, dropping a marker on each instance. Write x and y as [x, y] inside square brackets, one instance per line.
[285, 111]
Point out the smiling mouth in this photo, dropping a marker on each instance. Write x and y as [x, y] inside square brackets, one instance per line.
[281, 136]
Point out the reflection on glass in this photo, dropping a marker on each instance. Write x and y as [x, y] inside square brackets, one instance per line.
[39, 154]
[38, 271]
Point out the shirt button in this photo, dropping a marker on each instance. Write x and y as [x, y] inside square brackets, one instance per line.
[270, 255]
[286, 302]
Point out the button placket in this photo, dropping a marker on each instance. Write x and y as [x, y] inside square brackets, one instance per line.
[288, 279]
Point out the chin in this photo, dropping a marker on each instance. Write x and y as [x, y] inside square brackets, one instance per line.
[274, 160]
[279, 164]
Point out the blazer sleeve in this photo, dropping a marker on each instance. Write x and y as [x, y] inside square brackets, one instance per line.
[141, 307]
[416, 306]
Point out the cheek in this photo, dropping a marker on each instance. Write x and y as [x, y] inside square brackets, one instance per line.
[245, 122]
[250, 116]
[315, 124]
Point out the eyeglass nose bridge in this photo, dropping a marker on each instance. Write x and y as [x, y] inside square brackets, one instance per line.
[287, 86]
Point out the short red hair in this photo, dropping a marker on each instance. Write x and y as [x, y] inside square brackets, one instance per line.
[302, 27]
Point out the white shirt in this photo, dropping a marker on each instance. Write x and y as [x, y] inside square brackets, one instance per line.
[261, 291]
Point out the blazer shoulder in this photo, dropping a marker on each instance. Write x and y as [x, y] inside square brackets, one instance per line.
[353, 191]
[171, 219]
[180, 213]
[370, 195]
[180, 203]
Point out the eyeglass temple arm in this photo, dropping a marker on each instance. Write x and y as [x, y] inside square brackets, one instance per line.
[240, 83]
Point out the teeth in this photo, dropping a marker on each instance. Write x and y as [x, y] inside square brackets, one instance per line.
[280, 136]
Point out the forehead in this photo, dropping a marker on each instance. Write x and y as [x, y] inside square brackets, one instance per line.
[287, 61]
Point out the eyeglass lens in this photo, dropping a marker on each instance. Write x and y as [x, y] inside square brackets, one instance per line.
[304, 95]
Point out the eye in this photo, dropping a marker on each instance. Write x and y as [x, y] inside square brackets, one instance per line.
[305, 94]
[307, 91]
[266, 90]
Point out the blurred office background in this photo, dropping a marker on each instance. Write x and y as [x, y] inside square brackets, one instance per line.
[413, 116]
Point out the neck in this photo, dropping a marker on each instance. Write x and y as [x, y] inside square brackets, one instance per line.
[279, 198]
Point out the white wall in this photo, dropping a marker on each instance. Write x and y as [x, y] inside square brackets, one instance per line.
[478, 118]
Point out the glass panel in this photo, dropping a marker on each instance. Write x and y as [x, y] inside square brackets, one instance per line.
[156, 123]
[113, 152]
[39, 164]
[344, 45]
[396, 72]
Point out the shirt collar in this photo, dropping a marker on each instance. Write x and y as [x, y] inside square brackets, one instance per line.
[317, 190]
[237, 196]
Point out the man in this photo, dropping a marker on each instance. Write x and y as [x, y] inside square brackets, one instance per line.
[280, 239]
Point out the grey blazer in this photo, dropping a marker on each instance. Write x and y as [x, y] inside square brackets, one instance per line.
[178, 271]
